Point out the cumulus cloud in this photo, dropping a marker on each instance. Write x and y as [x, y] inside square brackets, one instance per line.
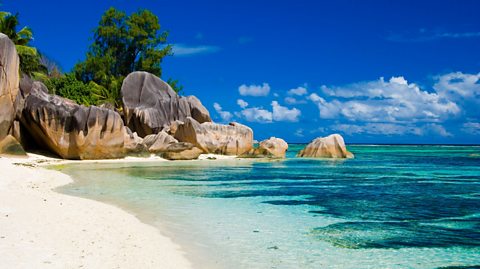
[394, 100]
[281, 113]
[256, 114]
[459, 86]
[225, 115]
[294, 101]
[254, 90]
[261, 115]
[298, 91]
[187, 50]
[242, 103]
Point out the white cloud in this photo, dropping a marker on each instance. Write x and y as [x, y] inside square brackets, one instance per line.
[187, 50]
[472, 128]
[298, 91]
[457, 86]
[299, 133]
[225, 115]
[255, 114]
[254, 90]
[394, 100]
[293, 101]
[376, 129]
[390, 129]
[281, 113]
[242, 103]
[278, 113]
[438, 129]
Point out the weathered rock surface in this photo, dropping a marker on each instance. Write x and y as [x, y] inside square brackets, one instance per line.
[268, 148]
[9, 146]
[158, 143]
[232, 139]
[275, 147]
[70, 130]
[150, 104]
[186, 154]
[331, 146]
[133, 145]
[9, 84]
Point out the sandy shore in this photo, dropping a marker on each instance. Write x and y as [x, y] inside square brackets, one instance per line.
[40, 228]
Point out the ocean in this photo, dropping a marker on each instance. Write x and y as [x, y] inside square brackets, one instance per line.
[389, 207]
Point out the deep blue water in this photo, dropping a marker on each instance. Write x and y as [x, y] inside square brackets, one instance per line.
[389, 207]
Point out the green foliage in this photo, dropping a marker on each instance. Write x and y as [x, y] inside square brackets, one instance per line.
[69, 87]
[175, 85]
[29, 57]
[123, 44]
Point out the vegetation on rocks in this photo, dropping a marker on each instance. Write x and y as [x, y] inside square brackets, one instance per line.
[121, 44]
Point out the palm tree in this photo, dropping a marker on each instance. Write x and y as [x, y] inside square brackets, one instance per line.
[29, 57]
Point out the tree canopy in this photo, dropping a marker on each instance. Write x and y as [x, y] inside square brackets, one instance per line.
[123, 44]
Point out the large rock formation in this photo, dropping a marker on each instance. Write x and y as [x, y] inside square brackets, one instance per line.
[275, 147]
[232, 139]
[268, 148]
[150, 104]
[9, 84]
[70, 130]
[331, 146]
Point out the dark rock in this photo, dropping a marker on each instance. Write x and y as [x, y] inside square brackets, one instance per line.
[150, 104]
[70, 130]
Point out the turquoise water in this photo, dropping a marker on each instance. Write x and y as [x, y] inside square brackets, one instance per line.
[390, 207]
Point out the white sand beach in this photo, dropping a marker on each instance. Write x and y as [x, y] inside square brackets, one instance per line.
[40, 228]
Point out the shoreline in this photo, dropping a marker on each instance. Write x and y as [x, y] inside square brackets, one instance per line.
[41, 227]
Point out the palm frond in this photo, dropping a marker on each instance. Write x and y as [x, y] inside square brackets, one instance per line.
[24, 36]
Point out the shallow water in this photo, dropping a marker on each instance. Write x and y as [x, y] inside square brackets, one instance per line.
[390, 207]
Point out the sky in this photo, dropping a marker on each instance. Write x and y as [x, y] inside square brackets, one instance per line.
[372, 71]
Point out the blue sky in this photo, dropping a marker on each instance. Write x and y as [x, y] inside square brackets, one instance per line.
[373, 71]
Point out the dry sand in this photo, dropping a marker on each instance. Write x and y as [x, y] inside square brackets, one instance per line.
[40, 228]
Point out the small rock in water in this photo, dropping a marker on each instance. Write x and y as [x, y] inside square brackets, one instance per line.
[256, 231]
